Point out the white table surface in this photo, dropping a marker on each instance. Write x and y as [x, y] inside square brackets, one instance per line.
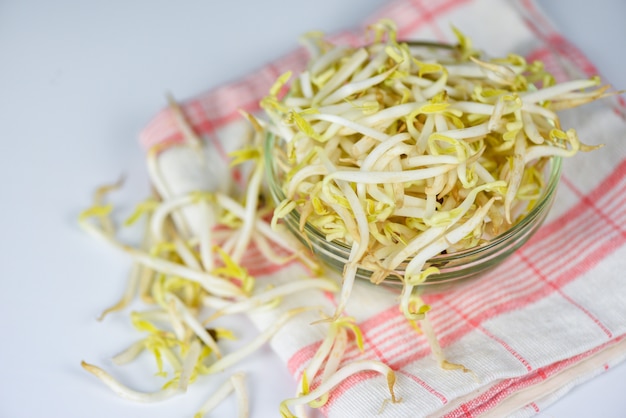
[77, 83]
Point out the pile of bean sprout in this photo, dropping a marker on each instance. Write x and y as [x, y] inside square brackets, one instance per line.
[399, 156]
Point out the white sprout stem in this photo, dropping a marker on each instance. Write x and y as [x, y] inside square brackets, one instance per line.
[152, 163]
[530, 129]
[305, 84]
[515, 175]
[336, 354]
[171, 356]
[357, 127]
[196, 326]
[207, 222]
[347, 279]
[309, 171]
[127, 393]
[321, 354]
[229, 244]
[263, 245]
[130, 353]
[239, 384]
[216, 302]
[210, 283]
[381, 148]
[190, 136]
[541, 151]
[376, 193]
[338, 377]
[284, 241]
[129, 293]
[390, 114]
[175, 320]
[348, 106]
[136, 277]
[473, 107]
[146, 279]
[185, 253]
[433, 342]
[451, 237]
[436, 87]
[483, 173]
[371, 67]
[535, 109]
[355, 87]
[327, 59]
[333, 361]
[238, 355]
[98, 200]
[441, 123]
[219, 395]
[465, 70]
[279, 291]
[360, 244]
[165, 209]
[189, 364]
[553, 92]
[419, 260]
[414, 246]
[496, 116]
[410, 212]
[424, 160]
[342, 75]
[467, 133]
[390, 176]
[297, 102]
[422, 139]
[252, 200]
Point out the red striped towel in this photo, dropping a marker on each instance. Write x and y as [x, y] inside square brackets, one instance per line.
[550, 317]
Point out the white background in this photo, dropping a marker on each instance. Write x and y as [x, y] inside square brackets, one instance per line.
[78, 80]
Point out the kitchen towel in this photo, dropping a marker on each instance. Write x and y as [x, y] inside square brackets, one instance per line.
[549, 318]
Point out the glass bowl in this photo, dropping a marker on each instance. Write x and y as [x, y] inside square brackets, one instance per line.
[454, 268]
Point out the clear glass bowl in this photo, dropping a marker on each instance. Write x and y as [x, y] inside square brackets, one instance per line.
[454, 268]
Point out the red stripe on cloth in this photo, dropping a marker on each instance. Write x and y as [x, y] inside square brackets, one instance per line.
[353, 380]
[585, 311]
[203, 123]
[534, 406]
[497, 307]
[554, 240]
[300, 358]
[542, 28]
[257, 265]
[538, 17]
[567, 49]
[426, 386]
[417, 18]
[430, 18]
[589, 201]
[492, 397]
[616, 206]
[493, 337]
[550, 62]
